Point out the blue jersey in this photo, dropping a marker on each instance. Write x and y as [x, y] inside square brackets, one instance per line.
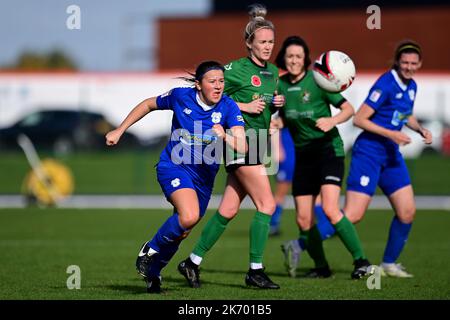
[393, 103]
[193, 144]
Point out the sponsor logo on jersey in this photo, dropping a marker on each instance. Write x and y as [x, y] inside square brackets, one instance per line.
[306, 96]
[294, 89]
[256, 81]
[228, 66]
[411, 94]
[187, 110]
[399, 118]
[175, 182]
[375, 95]
[216, 117]
[266, 73]
[364, 181]
[195, 139]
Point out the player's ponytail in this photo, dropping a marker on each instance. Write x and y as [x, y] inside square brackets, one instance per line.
[257, 14]
[201, 70]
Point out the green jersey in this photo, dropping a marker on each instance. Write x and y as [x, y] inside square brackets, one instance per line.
[305, 104]
[245, 81]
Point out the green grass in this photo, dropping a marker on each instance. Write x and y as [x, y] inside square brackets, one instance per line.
[133, 173]
[37, 245]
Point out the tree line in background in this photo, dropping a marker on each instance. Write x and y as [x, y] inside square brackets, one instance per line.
[50, 61]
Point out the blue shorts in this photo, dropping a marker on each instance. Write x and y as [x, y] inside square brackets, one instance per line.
[172, 177]
[367, 171]
[287, 166]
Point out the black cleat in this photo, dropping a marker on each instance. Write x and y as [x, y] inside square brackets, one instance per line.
[153, 284]
[362, 267]
[322, 272]
[257, 278]
[144, 260]
[191, 272]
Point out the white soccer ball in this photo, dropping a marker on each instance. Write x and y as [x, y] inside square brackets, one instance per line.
[334, 71]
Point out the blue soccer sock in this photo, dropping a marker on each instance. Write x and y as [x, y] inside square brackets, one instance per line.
[162, 259]
[325, 227]
[398, 235]
[170, 232]
[276, 217]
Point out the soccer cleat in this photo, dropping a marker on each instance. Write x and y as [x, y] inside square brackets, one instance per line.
[144, 260]
[191, 272]
[257, 278]
[153, 284]
[322, 272]
[292, 251]
[394, 270]
[362, 268]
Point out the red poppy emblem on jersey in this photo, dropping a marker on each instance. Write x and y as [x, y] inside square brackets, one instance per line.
[256, 81]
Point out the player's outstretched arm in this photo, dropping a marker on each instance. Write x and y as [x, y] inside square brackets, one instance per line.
[143, 108]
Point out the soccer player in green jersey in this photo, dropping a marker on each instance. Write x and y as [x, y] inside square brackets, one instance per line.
[319, 154]
[251, 82]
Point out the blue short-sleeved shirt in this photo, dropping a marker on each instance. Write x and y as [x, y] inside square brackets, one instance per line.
[393, 102]
[192, 144]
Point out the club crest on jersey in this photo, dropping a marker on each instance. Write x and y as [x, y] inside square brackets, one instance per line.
[228, 66]
[306, 96]
[187, 110]
[411, 94]
[256, 81]
[216, 117]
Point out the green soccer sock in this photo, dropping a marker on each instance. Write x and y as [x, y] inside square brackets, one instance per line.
[348, 235]
[210, 234]
[259, 233]
[314, 246]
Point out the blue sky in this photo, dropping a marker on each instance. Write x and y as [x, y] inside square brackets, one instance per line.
[114, 35]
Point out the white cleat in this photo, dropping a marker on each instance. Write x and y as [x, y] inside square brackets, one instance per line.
[394, 270]
[292, 251]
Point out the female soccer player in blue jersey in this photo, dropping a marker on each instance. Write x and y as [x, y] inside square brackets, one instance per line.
[251, 81]
[188, 165]
[376, 159]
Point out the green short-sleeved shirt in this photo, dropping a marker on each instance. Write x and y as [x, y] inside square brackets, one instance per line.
[245, 81]
[305, 104]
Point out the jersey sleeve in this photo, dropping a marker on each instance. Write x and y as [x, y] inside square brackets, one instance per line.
[335, 99]
[234, 116]
[378, 95]
[166, 100]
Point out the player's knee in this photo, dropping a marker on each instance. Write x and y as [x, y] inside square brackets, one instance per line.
[189, 220]
[332, 212]
[266, 205]
[304, 222]
[407, 215]
[354, 216]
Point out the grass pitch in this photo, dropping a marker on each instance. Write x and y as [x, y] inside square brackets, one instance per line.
[37, 246]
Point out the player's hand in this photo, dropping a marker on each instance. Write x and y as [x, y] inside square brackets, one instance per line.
[400, 138]
[325, 124]
[113, 137]
[278, 100]
[275, 125]
[219, 131]
[256, 106]
[427, 136]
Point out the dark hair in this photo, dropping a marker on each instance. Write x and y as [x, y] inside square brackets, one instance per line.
[202, 69]
[292, 40]
[406, 46]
